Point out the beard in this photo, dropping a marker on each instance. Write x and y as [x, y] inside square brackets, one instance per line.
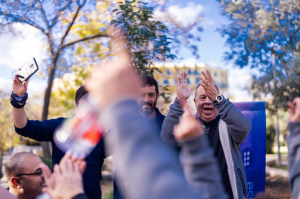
[147, 108]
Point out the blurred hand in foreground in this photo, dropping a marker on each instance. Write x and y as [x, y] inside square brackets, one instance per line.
[188, 127]
[114, 79]
[294, 110]
[66, 180]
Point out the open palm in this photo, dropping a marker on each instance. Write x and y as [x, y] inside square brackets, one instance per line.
[183, 92]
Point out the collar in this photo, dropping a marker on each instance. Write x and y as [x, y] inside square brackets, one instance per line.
[206, 122]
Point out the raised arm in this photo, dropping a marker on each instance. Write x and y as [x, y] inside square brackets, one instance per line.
[175, 112]
[236, 121]
[238, 124]
[19, 93]
[37, 130]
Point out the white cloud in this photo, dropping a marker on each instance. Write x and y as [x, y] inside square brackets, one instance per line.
[238, 81]
[185, 15]
[213, 64]
[5, 85]
[208, 22]
[35, 87]
[16, 51]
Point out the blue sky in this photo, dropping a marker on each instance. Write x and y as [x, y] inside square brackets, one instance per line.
[17, 51]
[211, 47]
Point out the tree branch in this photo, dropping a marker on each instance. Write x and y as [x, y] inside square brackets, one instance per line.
[17, 18]
[85, 39]
[54, 21]
[282, 61]
[71, 23]
[291, 39]
[44, 14]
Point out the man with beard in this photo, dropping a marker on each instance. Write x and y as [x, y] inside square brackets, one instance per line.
[148, 99]
[25, 178]
[147, 107]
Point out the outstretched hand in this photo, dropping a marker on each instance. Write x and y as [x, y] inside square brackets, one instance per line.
[18, 88]
[209, 85]
[183, 92]
[114, 79]
[188, 127]
[294, 110]
[66, 180]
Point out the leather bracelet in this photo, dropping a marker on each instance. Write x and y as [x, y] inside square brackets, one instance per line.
[18, 101]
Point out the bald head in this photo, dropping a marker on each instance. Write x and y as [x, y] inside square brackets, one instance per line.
[13, 165]
[200, 86]
[24, 176]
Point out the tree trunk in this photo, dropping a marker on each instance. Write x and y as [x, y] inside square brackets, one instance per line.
[277, 139]
[45, 145]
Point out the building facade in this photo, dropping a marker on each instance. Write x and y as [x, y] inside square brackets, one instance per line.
[169, 73]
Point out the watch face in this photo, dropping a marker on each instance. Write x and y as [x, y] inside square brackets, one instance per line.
[219, 98]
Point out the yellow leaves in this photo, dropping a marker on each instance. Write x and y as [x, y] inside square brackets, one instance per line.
[79, 50]
[7, 133]
[64, 20]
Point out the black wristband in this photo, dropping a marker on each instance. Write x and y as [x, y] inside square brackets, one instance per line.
[18, 101]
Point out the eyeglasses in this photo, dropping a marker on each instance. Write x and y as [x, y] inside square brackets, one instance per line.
[38, 172]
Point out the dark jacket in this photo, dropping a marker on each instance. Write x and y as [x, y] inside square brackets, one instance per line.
[233, 130]
[43, 132]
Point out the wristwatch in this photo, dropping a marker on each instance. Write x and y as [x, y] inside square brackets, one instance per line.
[219, 98]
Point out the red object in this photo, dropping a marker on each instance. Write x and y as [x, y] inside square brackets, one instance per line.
[93, 135]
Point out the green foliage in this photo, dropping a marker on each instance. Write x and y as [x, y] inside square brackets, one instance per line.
[270, 125]
[8, 137]
[270, 139]
[146, 38]
[282, 143]
[64, 89]
[47, 162]
[258, 31]
[283, 167]
[109, 196]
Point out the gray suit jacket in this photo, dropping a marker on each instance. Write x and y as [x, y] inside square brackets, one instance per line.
[150, 167]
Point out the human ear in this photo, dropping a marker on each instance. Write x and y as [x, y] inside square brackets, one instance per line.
[15, 181]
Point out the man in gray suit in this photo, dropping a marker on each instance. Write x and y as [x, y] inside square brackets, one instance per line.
[225, 129]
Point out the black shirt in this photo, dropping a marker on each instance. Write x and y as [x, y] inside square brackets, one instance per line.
[214, 140]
